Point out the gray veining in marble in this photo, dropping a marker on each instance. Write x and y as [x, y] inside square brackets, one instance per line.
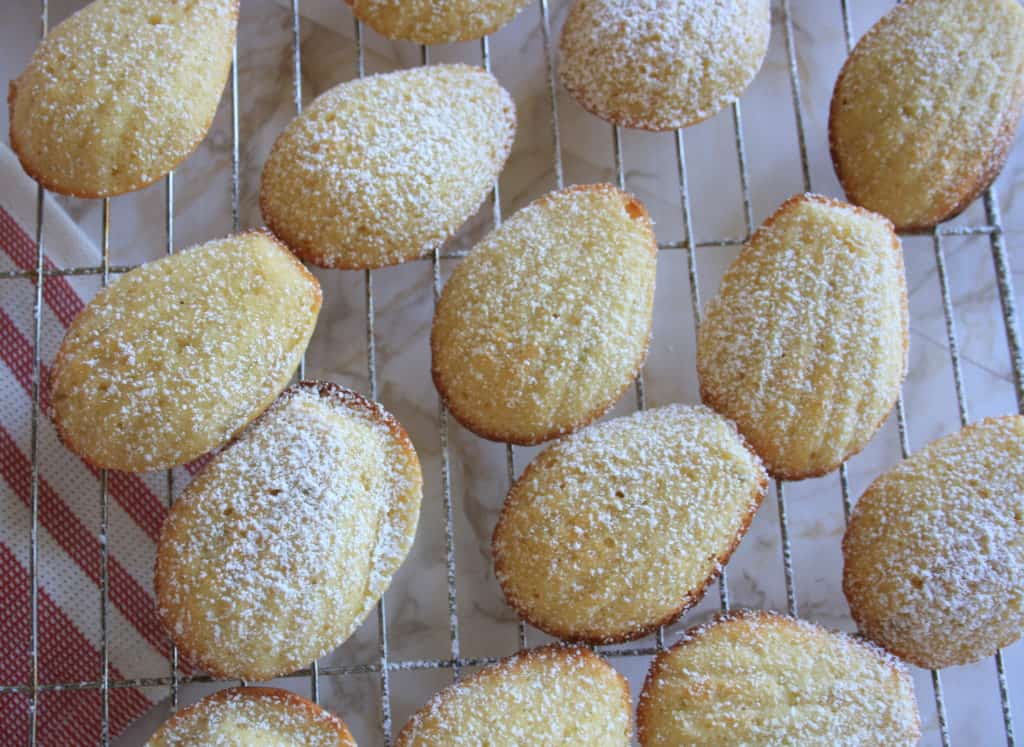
[418, 598]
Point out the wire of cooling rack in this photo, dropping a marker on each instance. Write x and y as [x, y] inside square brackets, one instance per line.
[33, 555]
[104, 532]
[384, 664]
[169, 248]
[314, 669]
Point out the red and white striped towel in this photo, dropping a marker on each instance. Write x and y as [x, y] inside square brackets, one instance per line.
[69, 551]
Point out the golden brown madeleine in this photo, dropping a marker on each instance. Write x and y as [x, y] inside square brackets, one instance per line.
[551, 696]
[381, 170]
[805, 345]
[619, 528]
[926, 108]
[662, 64]
[246, 716]
[435, 21]
[121, 92]
[279, 548]
[176, 356]
[934, 553]
[541, 329]
[753, 677]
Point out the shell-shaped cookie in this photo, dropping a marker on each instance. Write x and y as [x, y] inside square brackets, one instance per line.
[926, 107]
[662, 64]
[279, 548]
[253, 716]
[381, 170]
[435, 21]
[619, 528]
[805, 345]
[552, 696]
[934, 553]
[754, 677]
[543, 327]
[121, 92]
[175, 357]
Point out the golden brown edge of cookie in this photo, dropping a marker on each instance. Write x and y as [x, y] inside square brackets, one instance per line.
[437, 39]
[518, 662]
[708, 394]
[65, 438]
[765, 616]
[664, 124]
[335, 394]
[12, 91]
[852, 597]
[998, 156]
[287, 698]
[582, 97]
[636, 210]
[309, 252]
[689, 598]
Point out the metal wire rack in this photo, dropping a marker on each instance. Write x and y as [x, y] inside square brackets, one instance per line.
[384, 664]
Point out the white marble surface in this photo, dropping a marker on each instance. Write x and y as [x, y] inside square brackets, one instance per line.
[418, 613]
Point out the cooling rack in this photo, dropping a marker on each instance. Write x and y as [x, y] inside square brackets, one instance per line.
[173, 679]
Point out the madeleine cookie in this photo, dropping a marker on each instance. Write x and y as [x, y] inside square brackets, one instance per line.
[756, 677]
[175, 357]
[120, 93]
[281, 545]
[435, 21]
[934, 553]
[541, 329]
[619, 528]
[548, 696]
[381, 170]
[245, 716]
[805, 346]
[662, 64]
[926, 107]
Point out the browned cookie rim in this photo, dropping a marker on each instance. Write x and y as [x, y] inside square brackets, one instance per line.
[636, 210]
[695, 633]
[854, 599]
[581, 95]
[293, 702]
[690, 598]
[310, 251]
[65, 437]
[337, 395]
[708, 390]
[969, 191]
[449, 39]
[519, 662]
[52, 186]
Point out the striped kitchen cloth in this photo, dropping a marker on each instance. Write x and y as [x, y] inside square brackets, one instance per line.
[70, 639]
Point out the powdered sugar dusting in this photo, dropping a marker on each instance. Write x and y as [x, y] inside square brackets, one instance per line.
[253, 717]
[174, 357]
[121, 92]
[553, 696]
[282, 545]
[761, 678]
[436, 21]
[927, 106]
[545, 324]
[935, 548]
[381, 170]
[620, 527]
[805, 344]
[662, 64]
